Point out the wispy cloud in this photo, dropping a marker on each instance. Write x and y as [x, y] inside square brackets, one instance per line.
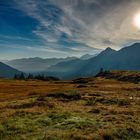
[56, 24]
[96, 23]
[15, 38]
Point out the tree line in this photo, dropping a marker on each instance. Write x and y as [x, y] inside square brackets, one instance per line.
[42, 77]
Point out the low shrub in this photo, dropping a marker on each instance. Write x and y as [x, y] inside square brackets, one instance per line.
[94, 110]
[65, 96]
[80, 81]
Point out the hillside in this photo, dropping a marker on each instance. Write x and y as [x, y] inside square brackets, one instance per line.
[83, 109]
[7, 71]
[127, 76]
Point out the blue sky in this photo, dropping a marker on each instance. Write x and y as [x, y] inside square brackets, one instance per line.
[61, 28]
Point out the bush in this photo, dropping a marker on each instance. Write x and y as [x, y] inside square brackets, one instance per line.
[123, 102]
[80, 81]
[95, 110]
[65, 96]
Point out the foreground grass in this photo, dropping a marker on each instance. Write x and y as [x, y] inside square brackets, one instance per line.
[98, 109]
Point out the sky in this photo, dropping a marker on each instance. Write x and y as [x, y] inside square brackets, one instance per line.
[61, 28]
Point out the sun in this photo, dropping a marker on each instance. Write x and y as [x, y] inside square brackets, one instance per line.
[137, 20]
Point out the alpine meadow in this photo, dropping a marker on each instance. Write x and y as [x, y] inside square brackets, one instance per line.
[69, 69]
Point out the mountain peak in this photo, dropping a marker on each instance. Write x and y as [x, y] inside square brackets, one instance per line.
[107, 51]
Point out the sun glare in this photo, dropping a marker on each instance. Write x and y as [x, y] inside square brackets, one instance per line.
[137, 20]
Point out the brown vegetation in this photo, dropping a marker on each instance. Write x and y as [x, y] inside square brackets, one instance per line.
[129, 76]
[100, 109]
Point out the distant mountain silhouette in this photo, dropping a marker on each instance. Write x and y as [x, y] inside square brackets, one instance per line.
[33, 65]
[7, 71]
[65, 69]
[127, 58]
[92, 66]
[87, 56]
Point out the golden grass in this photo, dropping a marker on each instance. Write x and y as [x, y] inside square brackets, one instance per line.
[107, 109]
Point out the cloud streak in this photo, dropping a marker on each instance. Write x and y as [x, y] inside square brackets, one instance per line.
[95, 23]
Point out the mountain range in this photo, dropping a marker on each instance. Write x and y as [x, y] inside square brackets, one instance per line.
[36, 64]
[87, 56]
[127, 58]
